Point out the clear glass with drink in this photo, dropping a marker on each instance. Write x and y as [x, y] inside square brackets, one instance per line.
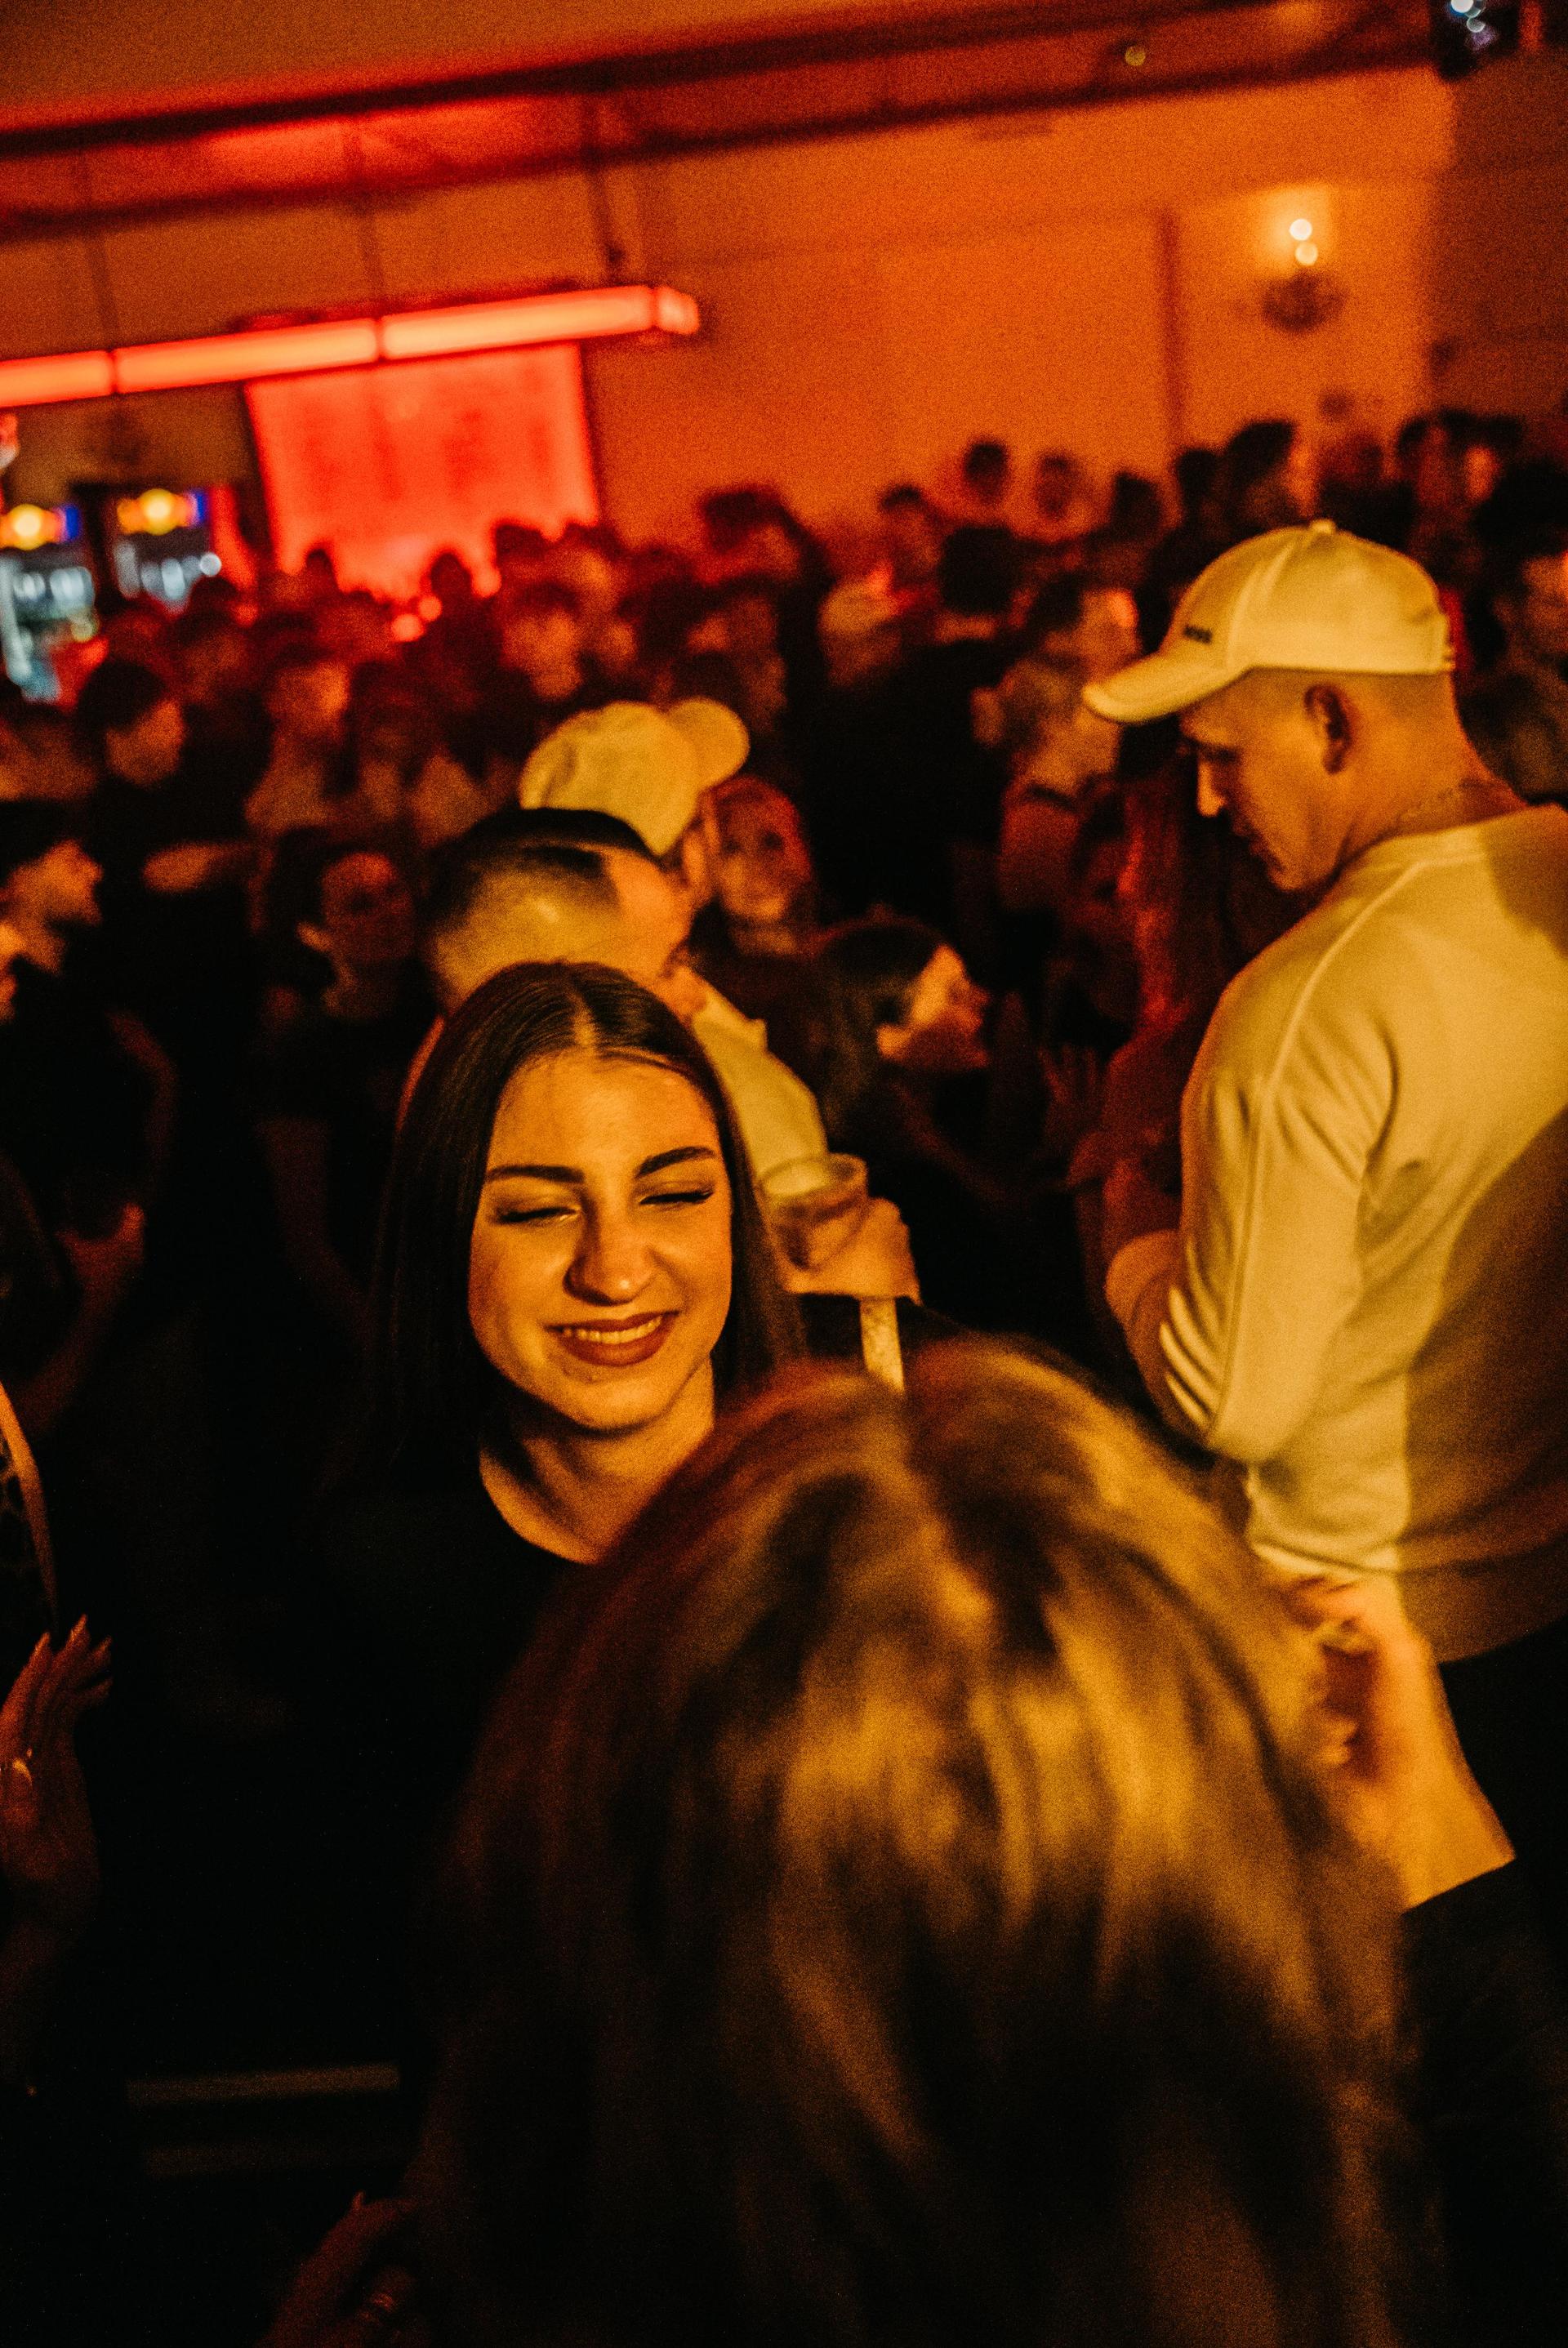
[816, 1205]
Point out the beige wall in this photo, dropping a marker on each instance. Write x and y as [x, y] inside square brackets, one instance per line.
[1093, 280]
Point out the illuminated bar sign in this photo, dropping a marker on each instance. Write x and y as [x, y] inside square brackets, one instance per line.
[592, 314]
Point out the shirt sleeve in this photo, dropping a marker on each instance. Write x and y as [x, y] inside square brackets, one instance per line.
[1275, 1152]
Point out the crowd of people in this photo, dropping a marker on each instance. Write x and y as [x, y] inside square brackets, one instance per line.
[976, 1120]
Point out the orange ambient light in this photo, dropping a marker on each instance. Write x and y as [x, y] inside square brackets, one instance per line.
[592, 314]
[26, 527]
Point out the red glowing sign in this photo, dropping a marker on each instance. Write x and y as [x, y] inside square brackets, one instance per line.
[387, 464]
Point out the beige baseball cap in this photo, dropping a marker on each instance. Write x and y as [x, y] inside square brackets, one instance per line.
[649, 767]
[1313, 598]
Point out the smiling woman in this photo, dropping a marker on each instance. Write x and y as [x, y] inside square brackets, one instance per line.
[569, 1206]
[573, 1274]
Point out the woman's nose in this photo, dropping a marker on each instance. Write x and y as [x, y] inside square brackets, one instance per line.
[1209, 801]
[612, 1264]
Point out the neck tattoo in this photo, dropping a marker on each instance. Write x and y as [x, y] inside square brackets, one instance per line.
[1500, 800]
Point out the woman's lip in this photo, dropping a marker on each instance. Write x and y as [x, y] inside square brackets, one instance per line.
[614, 1344]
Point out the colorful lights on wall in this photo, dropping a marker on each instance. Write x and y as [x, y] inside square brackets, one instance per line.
[23, 527]
[158, 511]
[595, 313]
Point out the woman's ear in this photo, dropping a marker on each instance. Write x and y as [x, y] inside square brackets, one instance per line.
[892, 1043]
[316, 939]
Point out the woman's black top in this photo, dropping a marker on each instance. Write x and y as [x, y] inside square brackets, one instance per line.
[429, 1598]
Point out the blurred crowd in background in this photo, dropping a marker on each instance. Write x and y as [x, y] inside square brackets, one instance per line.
[937, 913]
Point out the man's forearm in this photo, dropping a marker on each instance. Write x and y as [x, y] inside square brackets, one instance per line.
[1138, 1290]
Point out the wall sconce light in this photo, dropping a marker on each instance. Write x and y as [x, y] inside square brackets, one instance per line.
[1308, 296]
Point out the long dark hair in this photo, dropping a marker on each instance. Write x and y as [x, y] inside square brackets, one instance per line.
[867, 970]
[427, 1378]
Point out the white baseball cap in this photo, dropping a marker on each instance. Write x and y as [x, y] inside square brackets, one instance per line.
[1312, 598]
[649, 767]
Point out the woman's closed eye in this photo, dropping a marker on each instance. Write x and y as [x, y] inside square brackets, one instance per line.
[539, 1212]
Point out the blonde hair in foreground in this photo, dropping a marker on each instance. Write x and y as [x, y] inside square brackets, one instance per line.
[897, 1904]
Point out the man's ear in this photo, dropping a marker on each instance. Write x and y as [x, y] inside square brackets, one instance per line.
[316, 939]
[1332, 722]
[893, 1041]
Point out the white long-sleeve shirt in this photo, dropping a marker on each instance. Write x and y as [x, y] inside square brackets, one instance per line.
[776, 1113]
[1365, 1307]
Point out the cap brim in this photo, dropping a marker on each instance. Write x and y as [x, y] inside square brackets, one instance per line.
[718, 739]
[1158, 686]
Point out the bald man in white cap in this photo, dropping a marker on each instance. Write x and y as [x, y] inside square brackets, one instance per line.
[1363, 1303]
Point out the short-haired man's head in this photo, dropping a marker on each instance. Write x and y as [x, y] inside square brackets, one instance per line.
[502, 894]
[1526, 582]
[1394, 700]
[903, 498]
[899, 1901]
[1312, 766]
[987, 466]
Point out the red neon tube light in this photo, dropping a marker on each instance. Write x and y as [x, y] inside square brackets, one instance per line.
[592, 316]
[238, 358]
[75, 374]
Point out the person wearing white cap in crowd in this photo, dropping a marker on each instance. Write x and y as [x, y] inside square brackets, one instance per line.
[1362, 1302]
[650, 770]
[648, 766]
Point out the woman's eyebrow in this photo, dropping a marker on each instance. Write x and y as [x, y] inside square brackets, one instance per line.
[539, 1173]
[574, 1174]
[674, 1158]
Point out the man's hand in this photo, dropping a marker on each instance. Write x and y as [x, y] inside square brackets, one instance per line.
[876, 1262]
[1133, 1204]
[1403, 1783]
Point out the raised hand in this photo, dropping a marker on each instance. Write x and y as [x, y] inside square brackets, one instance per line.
[48, 1852]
